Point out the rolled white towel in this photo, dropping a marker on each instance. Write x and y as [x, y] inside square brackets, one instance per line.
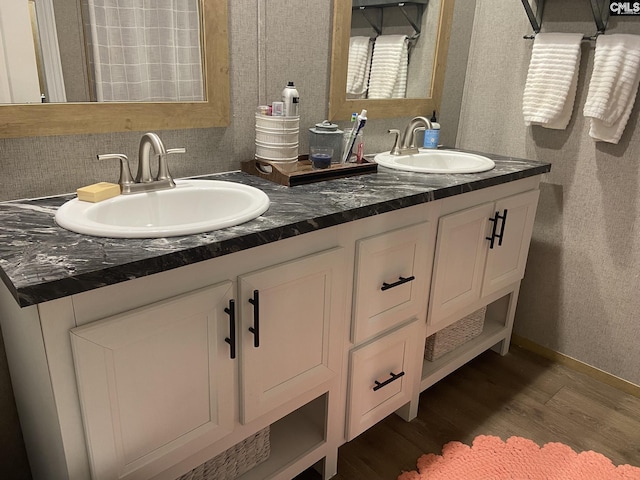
[613, 86]
[389, 63]
[358, 66]
[552, 79]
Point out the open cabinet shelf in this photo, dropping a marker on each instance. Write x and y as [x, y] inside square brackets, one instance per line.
[297, 441]
[497, 327]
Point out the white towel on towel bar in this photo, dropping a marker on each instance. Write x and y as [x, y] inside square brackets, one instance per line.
[389, 66]
[358, 66]
[613, 85]
[552, 79]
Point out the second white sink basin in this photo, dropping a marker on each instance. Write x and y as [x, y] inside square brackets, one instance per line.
[193, 206]
[436, 161]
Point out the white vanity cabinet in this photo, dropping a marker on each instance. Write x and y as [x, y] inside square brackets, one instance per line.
[391, 286]
[137, 381]
[155, 382]
[479, 251]
[480, 258]
[286, 333]
[318, 337]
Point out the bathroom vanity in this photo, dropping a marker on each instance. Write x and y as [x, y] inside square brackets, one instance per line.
[144, 358]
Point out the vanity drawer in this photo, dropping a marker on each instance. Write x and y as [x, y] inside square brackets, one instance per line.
[391, 279]
[382, 375]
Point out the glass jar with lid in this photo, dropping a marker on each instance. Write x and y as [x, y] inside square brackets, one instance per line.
[327, 135]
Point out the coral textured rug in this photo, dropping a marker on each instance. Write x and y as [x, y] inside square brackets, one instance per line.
[489, 458]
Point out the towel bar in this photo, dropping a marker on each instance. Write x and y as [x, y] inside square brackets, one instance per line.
[364, 5]
[600, 16]
[584, 37]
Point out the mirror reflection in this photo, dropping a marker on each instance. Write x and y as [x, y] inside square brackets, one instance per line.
[425, 26]
[76, 117]
[101, 50]
[391, 48]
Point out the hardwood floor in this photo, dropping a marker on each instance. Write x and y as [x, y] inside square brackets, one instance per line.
[519, 394]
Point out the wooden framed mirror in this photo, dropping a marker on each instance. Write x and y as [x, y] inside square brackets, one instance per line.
[26, 120]
[341, 107]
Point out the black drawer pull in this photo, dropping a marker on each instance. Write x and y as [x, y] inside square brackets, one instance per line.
[402, 280]
[231, 339]
[394, 377]
[255, 301]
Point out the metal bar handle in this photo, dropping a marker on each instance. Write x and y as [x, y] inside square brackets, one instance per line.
[402, 280]
[255, 301]
[394, 377]
[504, 222]
[231, 339]
[492, 238]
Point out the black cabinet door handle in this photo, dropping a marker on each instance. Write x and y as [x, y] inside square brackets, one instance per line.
[394, 377]
[255, 301]
[504, 222]
[231, 339]
[492, 238]
[402, 280]
[494, 233]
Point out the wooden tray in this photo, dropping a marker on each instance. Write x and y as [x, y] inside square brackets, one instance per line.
[303, 173]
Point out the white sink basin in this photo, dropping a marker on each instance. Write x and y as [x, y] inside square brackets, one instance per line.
[194, 206]
[436, 161]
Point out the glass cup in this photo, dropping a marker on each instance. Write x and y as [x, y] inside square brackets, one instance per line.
[320, 157]
[356, 151]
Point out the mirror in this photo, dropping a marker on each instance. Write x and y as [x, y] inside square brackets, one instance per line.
[341, 107]
[76, 118]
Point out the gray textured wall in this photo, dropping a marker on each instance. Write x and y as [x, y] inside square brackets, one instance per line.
[289, 40]
[580, 293]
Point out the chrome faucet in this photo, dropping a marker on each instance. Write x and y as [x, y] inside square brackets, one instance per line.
[144, 181]
[405, 143]
[147, 142]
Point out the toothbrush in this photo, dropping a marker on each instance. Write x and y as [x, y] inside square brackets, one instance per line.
[360, 121]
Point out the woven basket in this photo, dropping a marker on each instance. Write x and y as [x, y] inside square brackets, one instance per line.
[451, 337]
[235, 461]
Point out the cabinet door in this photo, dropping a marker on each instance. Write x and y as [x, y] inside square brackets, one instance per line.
[155, 383]
[458, 269]
[391, 279]
[381, 378]
[506, 261]
[289, 313]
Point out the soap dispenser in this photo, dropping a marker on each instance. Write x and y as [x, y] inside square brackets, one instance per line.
[432, 137]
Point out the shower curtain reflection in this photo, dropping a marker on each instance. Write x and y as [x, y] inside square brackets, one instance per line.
[145, 51]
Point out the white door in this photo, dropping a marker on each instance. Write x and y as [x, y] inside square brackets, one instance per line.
[507, 259]
[461, 251]
[155, 383]
[19, 81]
[287, 312]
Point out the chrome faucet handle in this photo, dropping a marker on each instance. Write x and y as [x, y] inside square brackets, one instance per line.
[177, 150]
[396, 145]
[163, 166]
[125, 171]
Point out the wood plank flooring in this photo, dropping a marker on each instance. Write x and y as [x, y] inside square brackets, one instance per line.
[519, 394]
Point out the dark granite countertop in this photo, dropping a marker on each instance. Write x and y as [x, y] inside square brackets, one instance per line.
[40, 261]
